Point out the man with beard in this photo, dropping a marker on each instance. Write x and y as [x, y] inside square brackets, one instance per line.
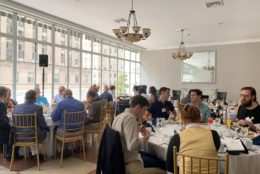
[249, 110]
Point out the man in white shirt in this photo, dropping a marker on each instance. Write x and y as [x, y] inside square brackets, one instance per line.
[126, 125]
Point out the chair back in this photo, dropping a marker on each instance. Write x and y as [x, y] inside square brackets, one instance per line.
[25, 127]
[107, 112]
[176, 94]
[122, 104]
[180, 107]
[189, 164]
[74, 121]
[221, 96]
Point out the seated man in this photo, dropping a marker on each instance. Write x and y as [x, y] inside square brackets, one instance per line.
[29, 107]
[94, 107]
[162, 107]
[5, 127]
[58, 97]
[41, 100]
[205, 112]
[68, 104]
[249, 109]
[112, 91]
[126, 124]
[106, 96]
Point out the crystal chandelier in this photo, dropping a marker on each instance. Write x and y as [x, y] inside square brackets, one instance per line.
[124, 31]
[182, 54]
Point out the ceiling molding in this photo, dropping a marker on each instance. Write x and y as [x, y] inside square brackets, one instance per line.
[209, 44]
[228, 24]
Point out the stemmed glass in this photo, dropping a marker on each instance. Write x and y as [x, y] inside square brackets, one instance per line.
[159, 123]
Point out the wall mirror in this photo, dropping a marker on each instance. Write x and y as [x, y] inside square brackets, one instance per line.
[200, 68]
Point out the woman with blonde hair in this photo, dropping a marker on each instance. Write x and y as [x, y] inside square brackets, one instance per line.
[194, 140]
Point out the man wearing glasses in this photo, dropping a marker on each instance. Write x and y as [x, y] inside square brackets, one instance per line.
[249, 110]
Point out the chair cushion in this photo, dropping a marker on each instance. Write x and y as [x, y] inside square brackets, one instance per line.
[60, 132]
[94, 126]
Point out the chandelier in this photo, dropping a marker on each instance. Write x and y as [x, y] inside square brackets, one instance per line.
[182, 54]
[124, 31]
[209, 67]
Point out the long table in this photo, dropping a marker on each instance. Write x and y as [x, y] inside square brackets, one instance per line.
[50, 136]
[238, 164]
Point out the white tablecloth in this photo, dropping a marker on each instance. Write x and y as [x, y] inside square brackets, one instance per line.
[238, 164]
[50, 136]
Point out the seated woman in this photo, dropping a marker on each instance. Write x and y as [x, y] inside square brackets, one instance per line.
[10, 103]
[193, 140]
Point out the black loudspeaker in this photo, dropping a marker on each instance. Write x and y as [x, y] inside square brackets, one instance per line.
[43, 60]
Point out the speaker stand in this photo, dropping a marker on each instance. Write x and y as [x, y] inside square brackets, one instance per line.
[43, 81]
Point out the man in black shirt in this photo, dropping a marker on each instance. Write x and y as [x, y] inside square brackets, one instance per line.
[249, 109]
[162, 107]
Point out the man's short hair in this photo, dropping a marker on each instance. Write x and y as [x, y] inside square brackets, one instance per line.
[139, 100]
[3, 91]
[91, 94]
[30, 96]
[252, 91]
[197, 91]
[163, 89]
[67, 93]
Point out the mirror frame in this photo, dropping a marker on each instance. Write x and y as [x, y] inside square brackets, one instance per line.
[214, 71]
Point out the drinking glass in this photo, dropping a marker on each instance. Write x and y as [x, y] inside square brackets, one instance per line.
[229, 122]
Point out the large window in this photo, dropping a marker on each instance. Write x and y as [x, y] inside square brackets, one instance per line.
[6, 22]
[6, 63]
[86, 74]
[61, 36]
[74, 71]
[76, 59]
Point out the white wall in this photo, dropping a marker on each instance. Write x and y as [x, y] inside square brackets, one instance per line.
[238, 65]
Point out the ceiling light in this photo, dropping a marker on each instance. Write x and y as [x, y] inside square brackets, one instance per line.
[124, 31]
[182, 54]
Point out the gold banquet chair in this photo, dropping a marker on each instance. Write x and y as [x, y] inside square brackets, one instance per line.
[109, 112]
[105, 118]
[73, 130]
[198, 165]
[26, 134]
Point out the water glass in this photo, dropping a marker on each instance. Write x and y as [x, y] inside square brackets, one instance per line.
[244, 130]
[159, 123]
[218, 120]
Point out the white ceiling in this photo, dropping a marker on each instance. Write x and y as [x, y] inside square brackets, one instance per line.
[240, 19]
